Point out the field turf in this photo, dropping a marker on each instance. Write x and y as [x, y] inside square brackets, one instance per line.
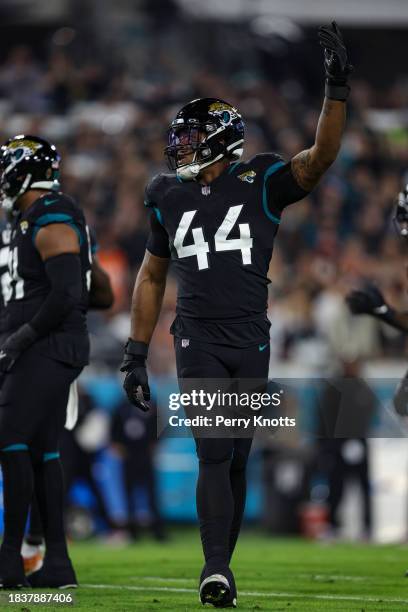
[271, 574]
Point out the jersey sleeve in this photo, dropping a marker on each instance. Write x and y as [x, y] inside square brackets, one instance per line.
[279, 185]
[57, 208]
[158, 240]
[154, 191]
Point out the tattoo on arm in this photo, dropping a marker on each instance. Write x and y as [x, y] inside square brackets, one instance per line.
[306, 170]
[308, 166]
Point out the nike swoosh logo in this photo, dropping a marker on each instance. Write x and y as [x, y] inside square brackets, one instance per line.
[49, 202]
[262, 347]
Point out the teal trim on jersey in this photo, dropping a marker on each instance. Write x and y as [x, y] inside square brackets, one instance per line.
[50, 456]
[50, 218]
[233, 166]
[94, 248]
[267, 174]
[53, 218]
[180, 180]
[158, 215]
[15, 447]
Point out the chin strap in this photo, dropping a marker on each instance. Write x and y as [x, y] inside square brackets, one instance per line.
[190, 171]
[8, 202]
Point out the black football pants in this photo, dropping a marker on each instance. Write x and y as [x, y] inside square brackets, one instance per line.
[221, 485]
[33, 402]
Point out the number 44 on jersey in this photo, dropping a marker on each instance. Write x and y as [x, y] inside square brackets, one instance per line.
[200, 248]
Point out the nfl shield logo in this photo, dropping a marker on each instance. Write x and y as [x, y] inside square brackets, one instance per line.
[206, 190]
[185, 342]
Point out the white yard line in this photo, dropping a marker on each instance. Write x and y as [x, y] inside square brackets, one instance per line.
[163, 589]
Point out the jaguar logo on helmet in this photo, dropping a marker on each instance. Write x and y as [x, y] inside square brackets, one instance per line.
[27, 162]
[203, 132]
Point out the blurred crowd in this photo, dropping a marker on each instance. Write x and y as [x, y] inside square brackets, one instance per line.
[109, 117]
[107, 108]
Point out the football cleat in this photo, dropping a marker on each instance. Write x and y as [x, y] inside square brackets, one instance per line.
[33, 556]
[54, 575]
[216, 591]
[12, 570]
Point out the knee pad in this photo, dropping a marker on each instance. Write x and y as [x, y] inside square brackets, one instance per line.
[210, 450]
[239, 462]
[240, 456]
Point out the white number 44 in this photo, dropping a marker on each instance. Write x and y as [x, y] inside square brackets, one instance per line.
[200, 248]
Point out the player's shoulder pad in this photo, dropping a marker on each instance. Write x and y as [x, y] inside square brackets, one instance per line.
[54, 207]
[266, 162]
[57, 207]
[157, 188]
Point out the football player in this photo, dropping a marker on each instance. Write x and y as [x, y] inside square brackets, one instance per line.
[216, 217]
[369, 300]
[45, 349]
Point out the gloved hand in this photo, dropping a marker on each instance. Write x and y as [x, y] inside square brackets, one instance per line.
[16, 344]
[336, 65]
[368, 301]
[134, 364]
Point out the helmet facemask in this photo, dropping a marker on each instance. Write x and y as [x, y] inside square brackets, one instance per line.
[196, 141]
[190, 149]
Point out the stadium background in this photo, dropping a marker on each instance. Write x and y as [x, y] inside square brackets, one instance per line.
[102, 80]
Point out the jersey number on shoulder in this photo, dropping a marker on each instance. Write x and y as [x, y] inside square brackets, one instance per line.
[200, 247]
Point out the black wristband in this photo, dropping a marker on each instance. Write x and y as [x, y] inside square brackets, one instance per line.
[336, 92]
[134, 347]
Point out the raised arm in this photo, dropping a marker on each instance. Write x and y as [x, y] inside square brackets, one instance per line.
[309, 165]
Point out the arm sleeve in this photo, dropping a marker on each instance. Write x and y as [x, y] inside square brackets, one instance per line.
[282, 189]
[158, 240]
[64, 275]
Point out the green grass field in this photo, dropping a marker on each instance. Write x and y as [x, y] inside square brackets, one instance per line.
[271, 574]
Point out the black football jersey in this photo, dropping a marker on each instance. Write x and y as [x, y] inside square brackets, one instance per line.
[220, 239]
[27, 285]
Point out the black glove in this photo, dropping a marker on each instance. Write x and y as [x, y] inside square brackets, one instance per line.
[134, 364]
[13, 346]
[336, 64]
[367, 301]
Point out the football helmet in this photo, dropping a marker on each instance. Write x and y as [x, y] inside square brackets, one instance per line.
[27, 162]
[203, 132]
[400, 217]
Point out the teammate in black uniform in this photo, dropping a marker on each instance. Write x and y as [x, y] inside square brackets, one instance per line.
[216, 218]
[100, 297]
[369, 300]
[46, 348]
